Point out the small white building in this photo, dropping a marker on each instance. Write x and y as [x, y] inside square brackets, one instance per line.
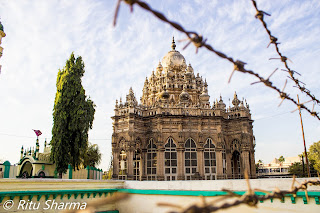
[277, 168]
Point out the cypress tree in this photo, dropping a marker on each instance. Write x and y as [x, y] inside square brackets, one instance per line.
[73, 115]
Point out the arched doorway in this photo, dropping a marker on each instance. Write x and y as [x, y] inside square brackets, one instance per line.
[26, 170]
[235, 165]
[42, 174]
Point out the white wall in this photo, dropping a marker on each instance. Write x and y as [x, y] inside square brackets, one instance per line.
[216, 185]
[139, 203]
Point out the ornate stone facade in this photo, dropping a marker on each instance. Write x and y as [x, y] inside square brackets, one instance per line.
[175, 134]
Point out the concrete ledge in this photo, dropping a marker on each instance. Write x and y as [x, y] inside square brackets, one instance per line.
[56, 184]
[216, 185]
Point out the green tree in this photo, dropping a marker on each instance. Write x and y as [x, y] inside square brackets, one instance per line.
[281, 159]
[257, 165]
[92, 156]
[314, 155]
[73, 115]
[296, 169]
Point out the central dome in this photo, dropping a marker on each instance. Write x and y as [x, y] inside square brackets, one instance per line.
[173, 58]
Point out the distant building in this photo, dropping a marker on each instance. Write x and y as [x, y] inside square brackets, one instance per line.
[277, 168]
[2, 34]
[174, 133]
[35, 164]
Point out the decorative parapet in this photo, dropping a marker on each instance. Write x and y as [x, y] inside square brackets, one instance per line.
[87, 193]
[56, 188]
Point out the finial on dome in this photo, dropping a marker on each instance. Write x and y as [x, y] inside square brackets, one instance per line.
[235, 100]
[235, 95]
[173, 44]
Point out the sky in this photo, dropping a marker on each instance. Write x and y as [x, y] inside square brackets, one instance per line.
[41, 35]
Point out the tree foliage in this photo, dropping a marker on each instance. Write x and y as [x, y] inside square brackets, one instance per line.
[281, 159]
[92, 156]
[73, 115]
[314, 155]
[297, 169]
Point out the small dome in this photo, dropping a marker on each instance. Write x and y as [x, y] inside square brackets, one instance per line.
[184, 96]
[164, 94]
[220, 104]
[204, 97]
[173, 58]
[169, 74]
[189, 69]
[159, 68]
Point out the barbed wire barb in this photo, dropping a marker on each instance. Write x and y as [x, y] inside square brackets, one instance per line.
[291, 72]
[267, 78]
[282, 94]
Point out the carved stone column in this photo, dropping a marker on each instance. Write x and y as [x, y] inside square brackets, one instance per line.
[219, 164]
[115, 163]
[253, 166]
[160, 163]
[130, 164]
[143, 164]
[245, 162]
[180, 159]
[200, 163]
[228, 159]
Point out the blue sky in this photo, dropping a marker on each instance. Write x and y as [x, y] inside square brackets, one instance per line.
[42, 34]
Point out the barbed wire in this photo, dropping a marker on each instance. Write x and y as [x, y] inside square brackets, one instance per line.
[274, 40]
[198, 41]
[249, 198]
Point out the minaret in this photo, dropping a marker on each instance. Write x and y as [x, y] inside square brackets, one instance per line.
[2, 34]
[36, 153]
[21, 156]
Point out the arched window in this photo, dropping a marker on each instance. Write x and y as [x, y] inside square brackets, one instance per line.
[137, 165]
[123, 165]
[190, 156]
[151, 161]
[235, 145]
[210, 160]
[170, 160]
